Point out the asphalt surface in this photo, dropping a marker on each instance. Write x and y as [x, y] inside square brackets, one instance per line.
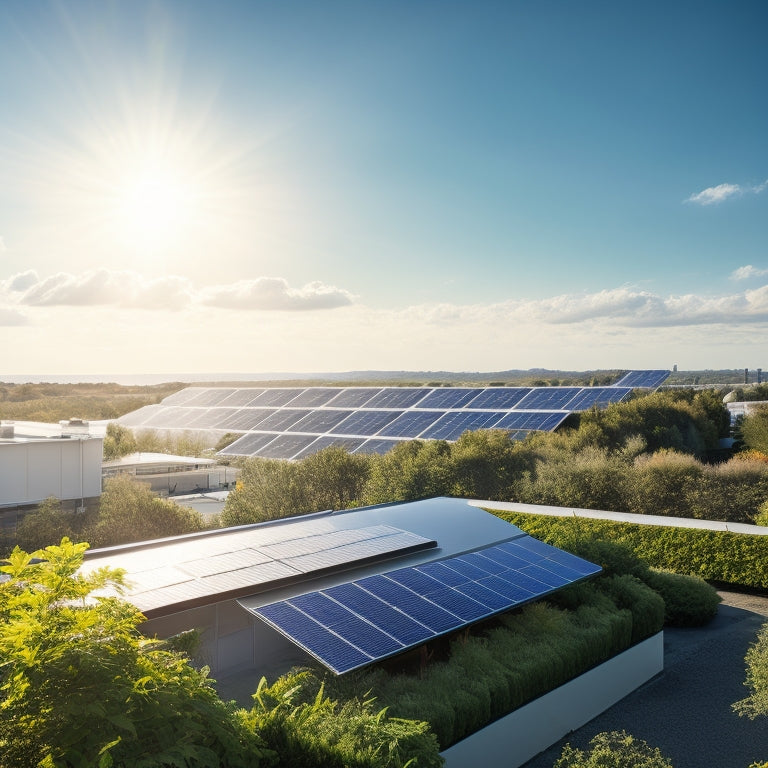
[686, 710]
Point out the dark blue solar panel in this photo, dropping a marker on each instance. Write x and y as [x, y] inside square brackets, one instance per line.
[384, 614]
[499, 397]
[249, 418]
[320, 642]
[319, 422]
[285, 446]
[282, 419]
[376, 446]
[548, 398]
[330, 441]
[410, 424]
[541, 420]
[415, 606]
[454, 424]
[247, 445]
[451, 397]
[365, 422]
[397, 397]
[597, 397]
[644, 379]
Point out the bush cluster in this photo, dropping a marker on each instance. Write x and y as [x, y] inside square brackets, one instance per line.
[719, 556]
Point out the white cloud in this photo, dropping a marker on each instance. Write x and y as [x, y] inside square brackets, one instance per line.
[131, 290]
[716, 194]
[11, 317]
[274, 293]
[747, 272]
[721, 192]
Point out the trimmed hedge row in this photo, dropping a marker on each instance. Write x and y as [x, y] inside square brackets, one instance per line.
[722, 556]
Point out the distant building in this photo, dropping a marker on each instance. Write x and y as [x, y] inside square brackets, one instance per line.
[42, 460]
[166, 474]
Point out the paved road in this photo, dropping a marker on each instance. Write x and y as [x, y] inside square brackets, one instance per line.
[686, 710]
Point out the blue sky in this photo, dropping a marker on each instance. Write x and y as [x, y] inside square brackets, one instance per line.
[303, 186]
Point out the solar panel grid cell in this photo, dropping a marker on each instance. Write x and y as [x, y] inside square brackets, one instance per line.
[397, 397]
[285, 446]
[241, 397]
[499, 397]
[454, 423]
[410, 424]
[453, 397]
[365, 422]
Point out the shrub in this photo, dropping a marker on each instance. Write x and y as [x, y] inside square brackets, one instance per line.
[616, 749]
[689, 601]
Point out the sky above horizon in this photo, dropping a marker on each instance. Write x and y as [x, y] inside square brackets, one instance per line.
[258, 186]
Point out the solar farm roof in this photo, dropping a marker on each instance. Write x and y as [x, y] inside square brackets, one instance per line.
[351, 625]
[293, 422]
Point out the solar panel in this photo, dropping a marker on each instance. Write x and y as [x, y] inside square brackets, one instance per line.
[284, 446]
[365, 422]
[247, 445]
[538, 420]
[349, 444]
[453, 424]
[281, 419]
[274, 397]
[450, 397]
[376, 446]
[643, 379]
[548, 398]
[314, 396]
[597, 397]
[397, 397]
[354, 397]
[242, 397]
[354, 624]
[320, 421]
[182, 396]
[410, 424]
[209, 397]
[499, 397]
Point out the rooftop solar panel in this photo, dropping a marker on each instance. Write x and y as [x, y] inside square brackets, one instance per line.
[643, 379]
[449, 397]
[247, 445]
[499, 397]
[453, 424]
[365, 422]
[242, 397]
[349, 444]
[353, 397]
[285, 446]
[410, 424]
[382, 615]
[397, 397]
[597, 397]
[548, 398]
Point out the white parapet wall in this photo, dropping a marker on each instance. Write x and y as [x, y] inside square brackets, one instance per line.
[514, 739]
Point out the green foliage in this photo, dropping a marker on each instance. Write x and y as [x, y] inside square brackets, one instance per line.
[756, 704]
[643, 603]
[47, 524]
[130, 511]
[226, 440]
[688, 600]
[307, 729]
[118, 441]
[754, 429]
[614, 749]
[721, 556]
[79, 687]
[762, 514]
[412, 470]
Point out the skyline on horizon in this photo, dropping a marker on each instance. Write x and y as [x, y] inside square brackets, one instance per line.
[382, 186]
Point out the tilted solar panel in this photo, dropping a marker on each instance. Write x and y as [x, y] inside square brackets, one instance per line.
[354, 397]
[548, 398]
[597, 397]
[355, 624]
[532, 420]
[450, 397]
[410, 424]
[397, 397]
[349, 444]
[453, 424]
[643, 379]
[365, 422]
[499, 397]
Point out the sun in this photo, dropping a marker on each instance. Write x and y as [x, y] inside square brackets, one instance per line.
[155, 207]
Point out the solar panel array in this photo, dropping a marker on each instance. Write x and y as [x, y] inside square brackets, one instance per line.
[643, 379]
[357, 623]
[290, 422]
[241, 561]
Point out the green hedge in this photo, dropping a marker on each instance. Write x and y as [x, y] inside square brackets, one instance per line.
[722, 556]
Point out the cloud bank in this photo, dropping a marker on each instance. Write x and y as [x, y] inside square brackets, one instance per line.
[274, 293]
[747, 272]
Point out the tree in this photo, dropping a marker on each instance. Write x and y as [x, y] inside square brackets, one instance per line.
[756, 704]
[754, 430]
[46, 525]
[614, 749]
[80, 687]
[118, 441]
[130, 511]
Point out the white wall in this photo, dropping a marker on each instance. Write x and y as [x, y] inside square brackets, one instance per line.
[66, 468]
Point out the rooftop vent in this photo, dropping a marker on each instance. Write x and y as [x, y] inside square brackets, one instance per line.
[6, 432]
[74, 427]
